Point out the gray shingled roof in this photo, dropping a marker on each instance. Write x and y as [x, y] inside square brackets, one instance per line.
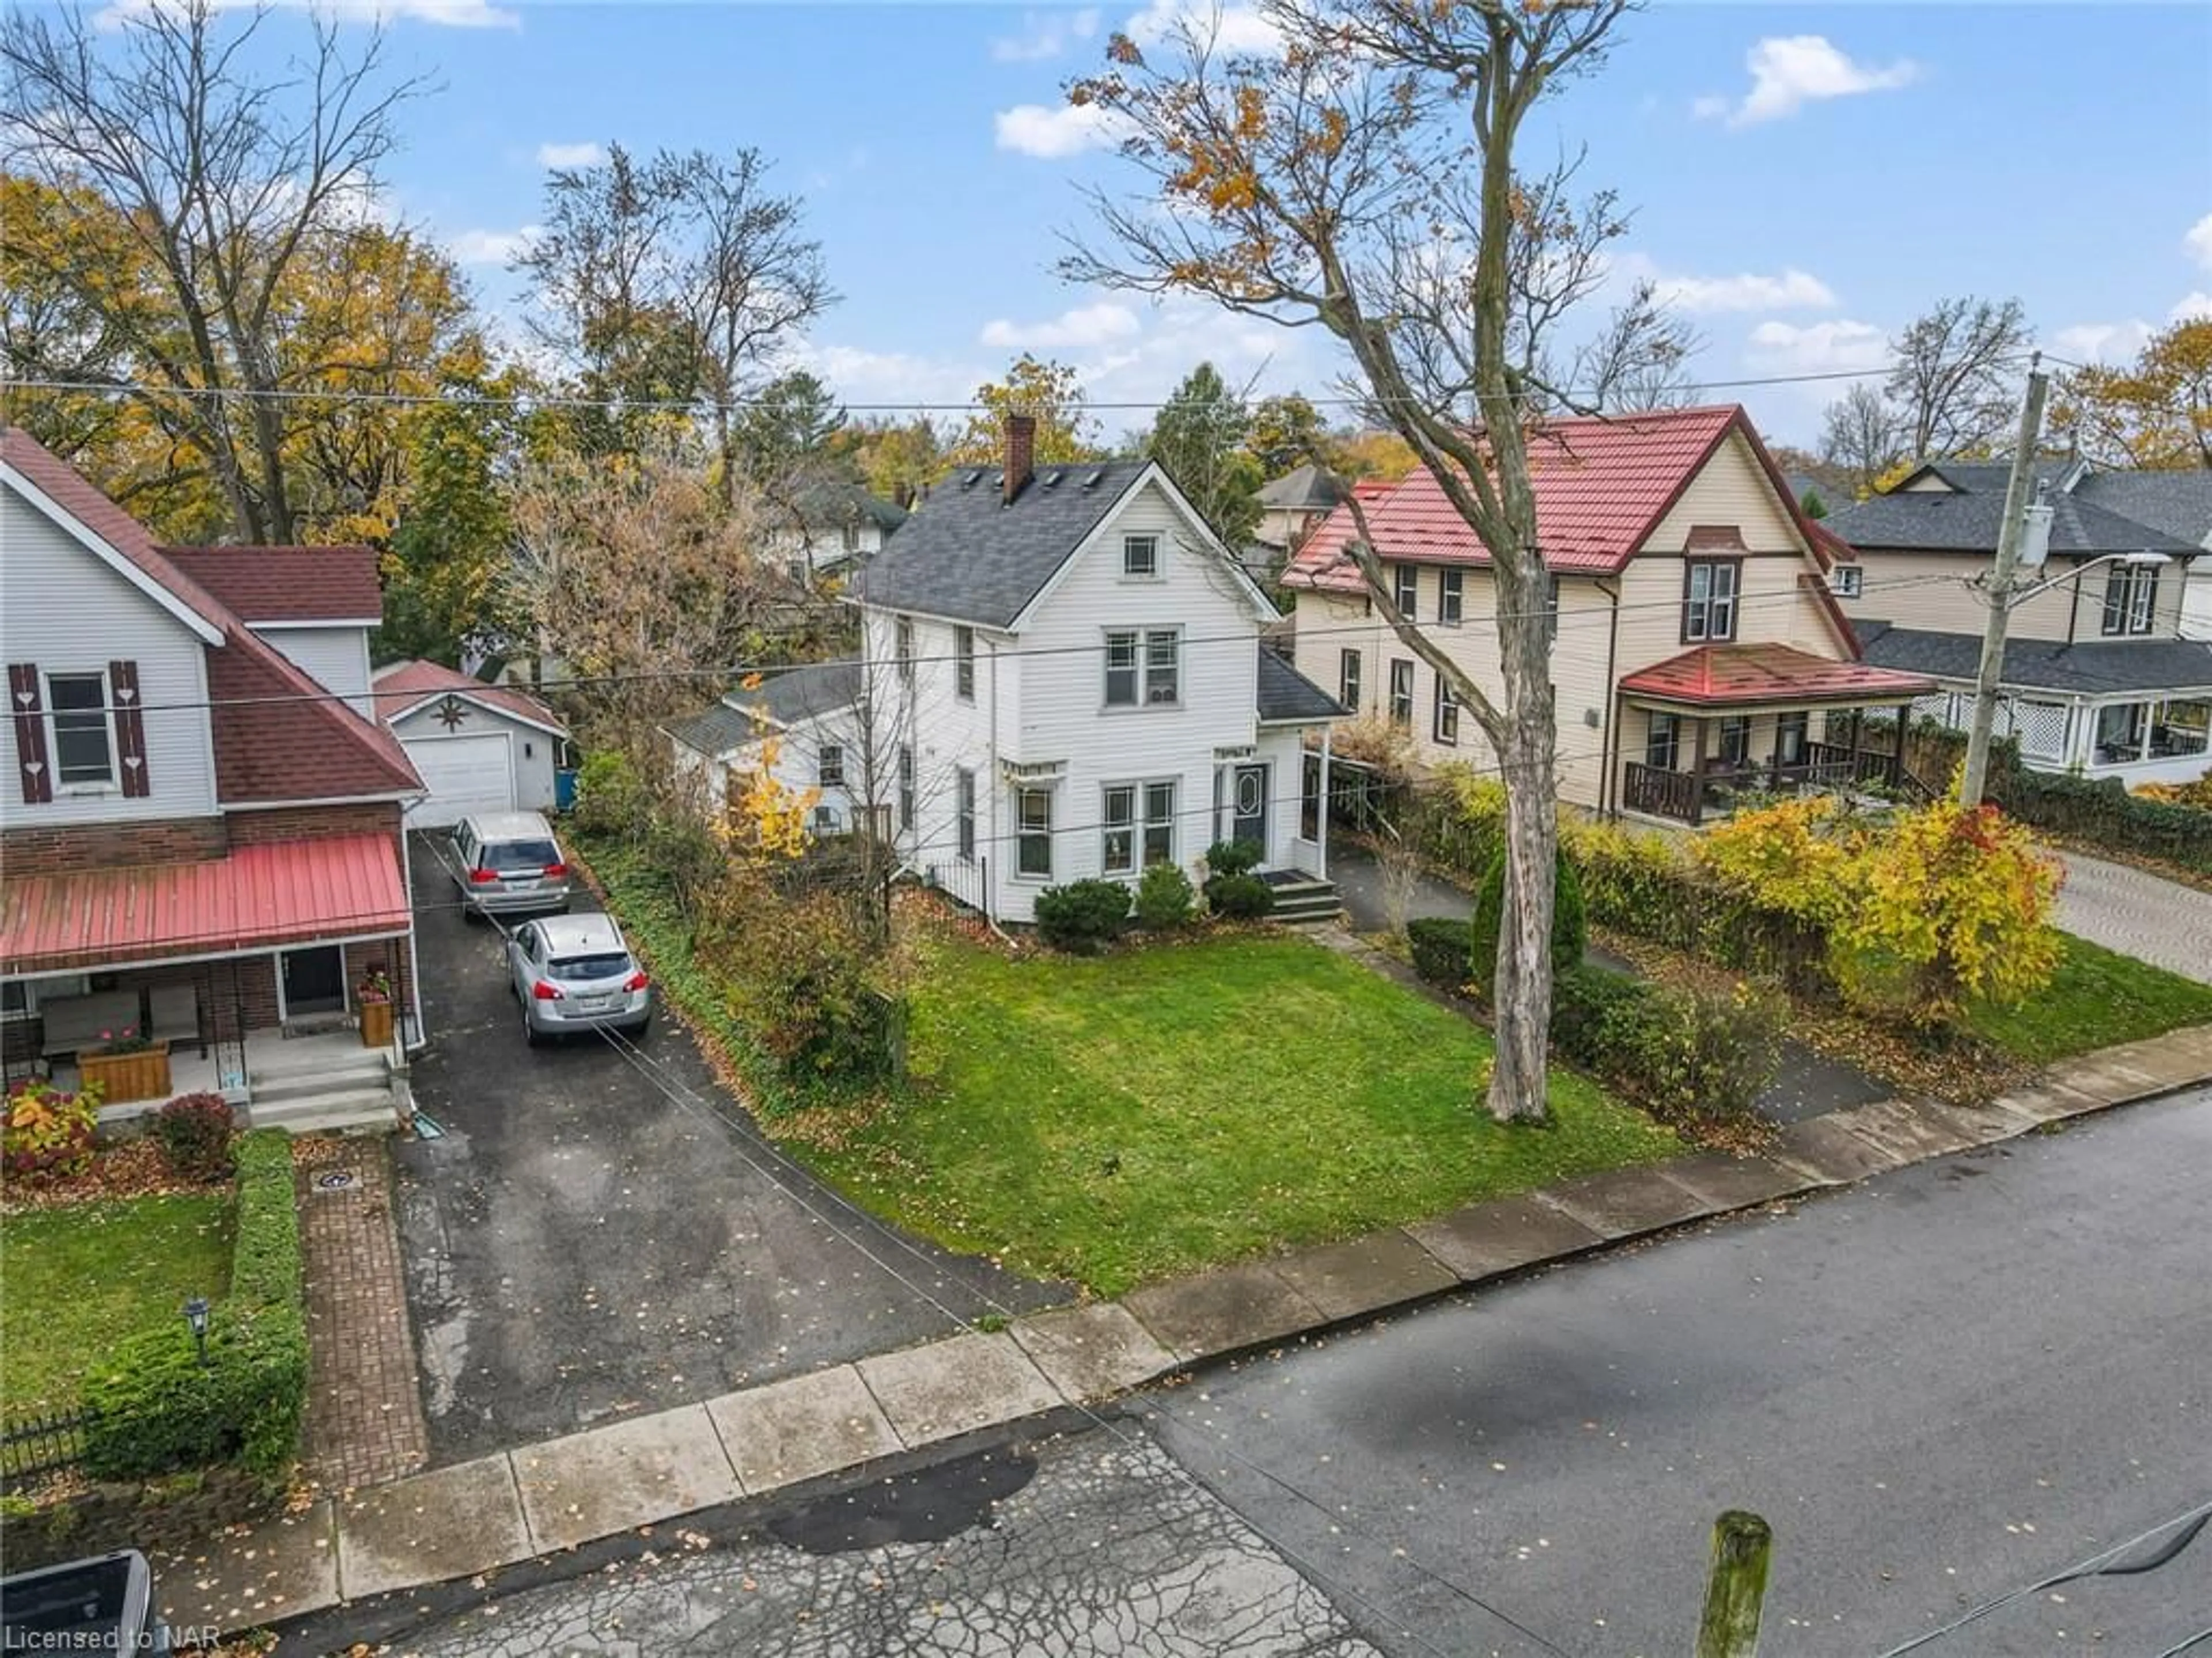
[1307, 487]
[1286, 694]
[2092, 669]
[2180, 503]
[788, 699]
[1932, 522]
[963, 553]
[837, 501]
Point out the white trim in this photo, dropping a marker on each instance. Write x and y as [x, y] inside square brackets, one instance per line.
[429, 794]
[394, 798]
[243, 952]
[290, 623]
[439, 696]
[83, 534]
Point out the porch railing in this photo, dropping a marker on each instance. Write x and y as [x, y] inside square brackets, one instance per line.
[1659, 793]
[1831, 763]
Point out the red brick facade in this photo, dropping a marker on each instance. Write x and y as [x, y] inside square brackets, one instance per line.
[249, 828]
[42, 851]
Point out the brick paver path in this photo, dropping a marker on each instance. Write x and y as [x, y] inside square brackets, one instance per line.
[364, 1422]
[2154, 920]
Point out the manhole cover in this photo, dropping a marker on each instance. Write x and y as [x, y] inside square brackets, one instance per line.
[337, 1179]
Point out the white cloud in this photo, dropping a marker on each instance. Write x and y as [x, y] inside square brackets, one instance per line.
[1231, 28]
[861, 378]
[488, 246]
[2191, 307]
[447, 14]
[1056, 133]
[586, 154]
[1789, 71]
[1817, 348]
[2198, 241]
[1046, 34]
[1081, 328]
[2102, 342]
[1790, 290]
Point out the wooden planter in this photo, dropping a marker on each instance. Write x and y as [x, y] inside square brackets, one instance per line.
[376, 1024]
[123, 1077]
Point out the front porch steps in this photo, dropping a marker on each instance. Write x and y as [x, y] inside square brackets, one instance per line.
[1303, 900]
[324, 1088]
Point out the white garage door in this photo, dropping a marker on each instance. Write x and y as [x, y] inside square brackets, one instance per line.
[463, 774]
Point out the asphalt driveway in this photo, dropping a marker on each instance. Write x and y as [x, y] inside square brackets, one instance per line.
[597, 1233]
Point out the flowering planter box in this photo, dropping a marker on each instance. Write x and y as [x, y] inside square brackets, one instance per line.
[376, 1024]
[122, 1077]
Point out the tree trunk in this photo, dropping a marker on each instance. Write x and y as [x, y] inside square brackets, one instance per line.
[1524, 971]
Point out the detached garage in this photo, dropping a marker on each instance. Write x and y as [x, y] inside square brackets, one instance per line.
[479, 747]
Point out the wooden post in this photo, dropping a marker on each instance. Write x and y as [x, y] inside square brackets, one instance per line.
[1742, 1545]
[1698, 771]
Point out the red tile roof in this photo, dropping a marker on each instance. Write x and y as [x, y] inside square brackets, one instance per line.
[1722, 675]
[288, 584]
[278, 735]
[1602, 484]
[404, 685]
[279, 893]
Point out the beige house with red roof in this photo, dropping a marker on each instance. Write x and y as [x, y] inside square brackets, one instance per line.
[1698, 648]
[200, 819]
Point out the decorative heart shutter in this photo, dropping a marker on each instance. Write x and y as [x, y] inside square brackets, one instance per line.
[23, 702]
[129, 729]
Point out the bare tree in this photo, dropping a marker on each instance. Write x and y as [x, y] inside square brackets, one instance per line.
[1859, 434]
[223, 178]
[1639, 360]
[1954, 387]
[1330, 184]
[676, 279]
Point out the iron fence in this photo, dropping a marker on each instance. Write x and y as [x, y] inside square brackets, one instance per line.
[44, 1442]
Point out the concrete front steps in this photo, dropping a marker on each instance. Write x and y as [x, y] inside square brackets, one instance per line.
[1302, 900]
[324, 1088]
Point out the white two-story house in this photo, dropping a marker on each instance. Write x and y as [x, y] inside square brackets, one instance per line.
[1061, 677]
[200, 823]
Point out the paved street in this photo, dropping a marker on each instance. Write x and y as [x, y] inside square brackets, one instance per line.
[2123, 908]
[601, 1233]
[1938, 1387]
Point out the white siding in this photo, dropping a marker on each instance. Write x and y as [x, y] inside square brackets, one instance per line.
[336, 659]
[63, 608]
[531, 750]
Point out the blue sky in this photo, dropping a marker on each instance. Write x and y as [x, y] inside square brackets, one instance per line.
[1804, 178]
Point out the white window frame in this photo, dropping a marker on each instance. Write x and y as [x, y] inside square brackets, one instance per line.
[902, 647]
[963, 662]
[1146, 675]
[1444, 724]
[1451, 598]
[1405, 590]
[1172, 637]
[1850, 580]
[1136, 825]
[1401, 700]
[1026, 838]
[1157, 828]
[1708, 618]
[1140, 558]
[1350, 671]
[829, 766]
[963, 814]
[906, 788]
[104, 714]
[2131, 601]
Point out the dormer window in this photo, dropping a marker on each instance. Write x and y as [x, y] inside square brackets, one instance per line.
[1141, 557]
[1846, 578]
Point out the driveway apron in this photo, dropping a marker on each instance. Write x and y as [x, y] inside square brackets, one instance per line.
[597, 1233]
[2139, 914]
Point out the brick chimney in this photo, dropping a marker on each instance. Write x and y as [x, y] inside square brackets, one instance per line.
[1021, 453]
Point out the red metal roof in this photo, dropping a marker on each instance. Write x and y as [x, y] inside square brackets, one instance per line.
[288, 584]
[1721, 676]
[278, 735]
[1602, 484]
[404, 684]
[288, 892]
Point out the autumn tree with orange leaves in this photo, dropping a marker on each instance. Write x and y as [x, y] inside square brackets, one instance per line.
[1360, 176]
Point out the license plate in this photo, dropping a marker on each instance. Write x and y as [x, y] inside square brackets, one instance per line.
[596, 1004]
[520, 884]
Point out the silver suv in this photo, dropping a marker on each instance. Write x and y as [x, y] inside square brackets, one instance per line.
[508, 862]
[576, 973]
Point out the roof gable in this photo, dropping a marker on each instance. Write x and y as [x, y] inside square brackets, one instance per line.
[400, 688]
[281, 585]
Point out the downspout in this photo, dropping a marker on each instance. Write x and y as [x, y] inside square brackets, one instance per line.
[1321, 826]
[991, 782]
[1605, 754]
[414, 969]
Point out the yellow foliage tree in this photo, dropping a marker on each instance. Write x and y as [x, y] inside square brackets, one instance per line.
[2156, 412]
[767, 819]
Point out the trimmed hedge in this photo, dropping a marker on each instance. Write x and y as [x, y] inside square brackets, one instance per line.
[2102, 812]
[1569, 929]
[1239, 897]
[1440, 946]
[1083, 916]
[160, 1411]
[1165, 897]
[1682, 1054]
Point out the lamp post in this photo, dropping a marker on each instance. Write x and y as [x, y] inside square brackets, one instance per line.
[196, 1316]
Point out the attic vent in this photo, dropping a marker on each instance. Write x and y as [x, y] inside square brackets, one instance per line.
[1052, 479]
[1095, 480]
[971, 480]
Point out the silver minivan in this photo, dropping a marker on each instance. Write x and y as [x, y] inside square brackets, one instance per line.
[508, 862]
[574, 972]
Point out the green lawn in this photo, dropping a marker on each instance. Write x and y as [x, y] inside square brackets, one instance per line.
[1126, 1119]
[2098, 998]
[77, 1280]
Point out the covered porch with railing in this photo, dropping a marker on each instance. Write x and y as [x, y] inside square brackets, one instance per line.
[1702, 731]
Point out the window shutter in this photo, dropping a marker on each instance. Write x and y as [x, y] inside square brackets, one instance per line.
[24, 702]
[129, 729]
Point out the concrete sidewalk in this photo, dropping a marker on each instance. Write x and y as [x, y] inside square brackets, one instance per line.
[476, 1517]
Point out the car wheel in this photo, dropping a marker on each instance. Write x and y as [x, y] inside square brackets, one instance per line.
[531, 1035]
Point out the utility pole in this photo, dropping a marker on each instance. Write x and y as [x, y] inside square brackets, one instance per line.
[2019, 490]
[1736, 1592]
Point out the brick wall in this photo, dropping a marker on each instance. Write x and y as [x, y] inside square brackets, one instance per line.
[249, 829]
[37, 851]
[391, 955]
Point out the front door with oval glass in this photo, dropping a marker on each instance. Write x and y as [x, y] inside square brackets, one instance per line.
[1248, 807]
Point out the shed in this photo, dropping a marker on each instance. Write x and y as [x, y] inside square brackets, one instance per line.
[479, 747]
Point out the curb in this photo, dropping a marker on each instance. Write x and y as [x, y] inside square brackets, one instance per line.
[496, 1512]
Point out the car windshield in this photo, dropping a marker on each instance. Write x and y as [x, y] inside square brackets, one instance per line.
[572, 969]
[519, 854]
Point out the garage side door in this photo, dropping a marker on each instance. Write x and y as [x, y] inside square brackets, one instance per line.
[463, 774]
